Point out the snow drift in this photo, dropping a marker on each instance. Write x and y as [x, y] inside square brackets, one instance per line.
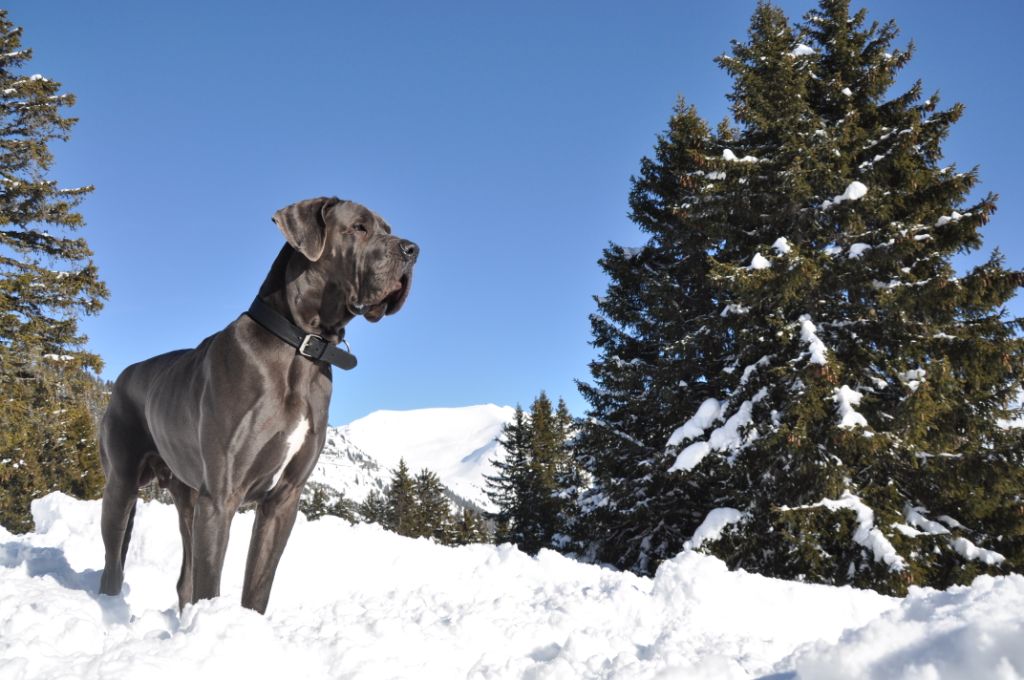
[359, 602]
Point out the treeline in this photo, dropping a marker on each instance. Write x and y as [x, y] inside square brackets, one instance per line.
[414, 506]
[536, 486]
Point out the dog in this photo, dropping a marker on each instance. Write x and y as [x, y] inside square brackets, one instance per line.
[243, 416]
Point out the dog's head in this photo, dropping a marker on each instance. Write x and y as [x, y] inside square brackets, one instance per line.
[350, 265]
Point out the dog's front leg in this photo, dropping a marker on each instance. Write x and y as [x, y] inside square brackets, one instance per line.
[210, 528]
[275, 518]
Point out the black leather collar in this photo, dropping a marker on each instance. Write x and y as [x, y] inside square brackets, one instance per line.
[310, 346]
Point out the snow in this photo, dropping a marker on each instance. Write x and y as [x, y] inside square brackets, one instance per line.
[733, 308]
[782, 246]
[916, 518]
[725, 438]
[847, 91]
[964, 632]
[708, 412]
[749, 370]
[801, 50]
[759, 262]
[689, 457]
[846, 398]
[913, 378]
[809, 334]
[728, 155]
[858, 249]
[348, 469]
[713, 525]
[854, 192]
[972, 552]
[459, 444]
[867, 534]
[359, 602]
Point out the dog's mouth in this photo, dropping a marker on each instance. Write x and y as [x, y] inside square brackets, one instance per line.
[390, 304]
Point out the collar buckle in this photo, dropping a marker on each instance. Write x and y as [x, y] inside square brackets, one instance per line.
[305, 345]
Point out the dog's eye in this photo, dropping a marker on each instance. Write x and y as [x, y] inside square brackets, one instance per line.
[361, 227]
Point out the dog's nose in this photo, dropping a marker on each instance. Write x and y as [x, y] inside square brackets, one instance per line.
[409, 249]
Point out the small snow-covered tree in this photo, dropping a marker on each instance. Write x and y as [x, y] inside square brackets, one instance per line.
[848, 428]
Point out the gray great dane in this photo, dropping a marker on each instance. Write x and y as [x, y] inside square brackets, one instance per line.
[243, 416]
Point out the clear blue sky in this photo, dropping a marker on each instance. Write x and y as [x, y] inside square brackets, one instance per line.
[499, 136]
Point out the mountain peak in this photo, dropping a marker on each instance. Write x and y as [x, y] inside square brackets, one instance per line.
[457, 443]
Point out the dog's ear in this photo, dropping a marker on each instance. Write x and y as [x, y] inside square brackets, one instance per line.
[304, 225]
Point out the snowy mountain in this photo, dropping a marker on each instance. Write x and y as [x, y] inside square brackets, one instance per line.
[354, 601]
[459, 444]
[345, 467]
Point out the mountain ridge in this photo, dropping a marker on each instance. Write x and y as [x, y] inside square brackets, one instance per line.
[459, 444]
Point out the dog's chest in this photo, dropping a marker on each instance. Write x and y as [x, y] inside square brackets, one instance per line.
[293, 442]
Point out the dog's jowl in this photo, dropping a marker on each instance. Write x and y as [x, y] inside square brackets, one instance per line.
[243, 416]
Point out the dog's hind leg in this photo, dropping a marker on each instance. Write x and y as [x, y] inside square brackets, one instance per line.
[124, 448]
[118, 513]
[185, 502]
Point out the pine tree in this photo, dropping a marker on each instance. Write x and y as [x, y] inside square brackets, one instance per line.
[47, 433]
[315, 501]
[468, 527]
[432, 516]
[568, 483]
[655, 330]
[319, 500]
[401, 502]
[530, 487]
[506, 487]
[847, 421]
[546, 455]
[374, 508]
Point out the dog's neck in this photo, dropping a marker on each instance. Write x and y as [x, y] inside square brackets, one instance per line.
[312, 316]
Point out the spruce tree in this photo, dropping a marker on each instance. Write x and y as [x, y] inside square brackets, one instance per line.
[655, 331]
[468, 527]
[432, 516]
[546, 454]
[506, 488]
[47, 281]
[374, 508]
[401, 502]
[320, 499]
[315, 501]
[846, 420]
[531, 487]
[568, 483]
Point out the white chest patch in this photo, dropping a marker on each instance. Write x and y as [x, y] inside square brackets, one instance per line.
[294, 442]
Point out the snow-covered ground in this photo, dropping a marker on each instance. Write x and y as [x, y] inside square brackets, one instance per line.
[359, 602]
